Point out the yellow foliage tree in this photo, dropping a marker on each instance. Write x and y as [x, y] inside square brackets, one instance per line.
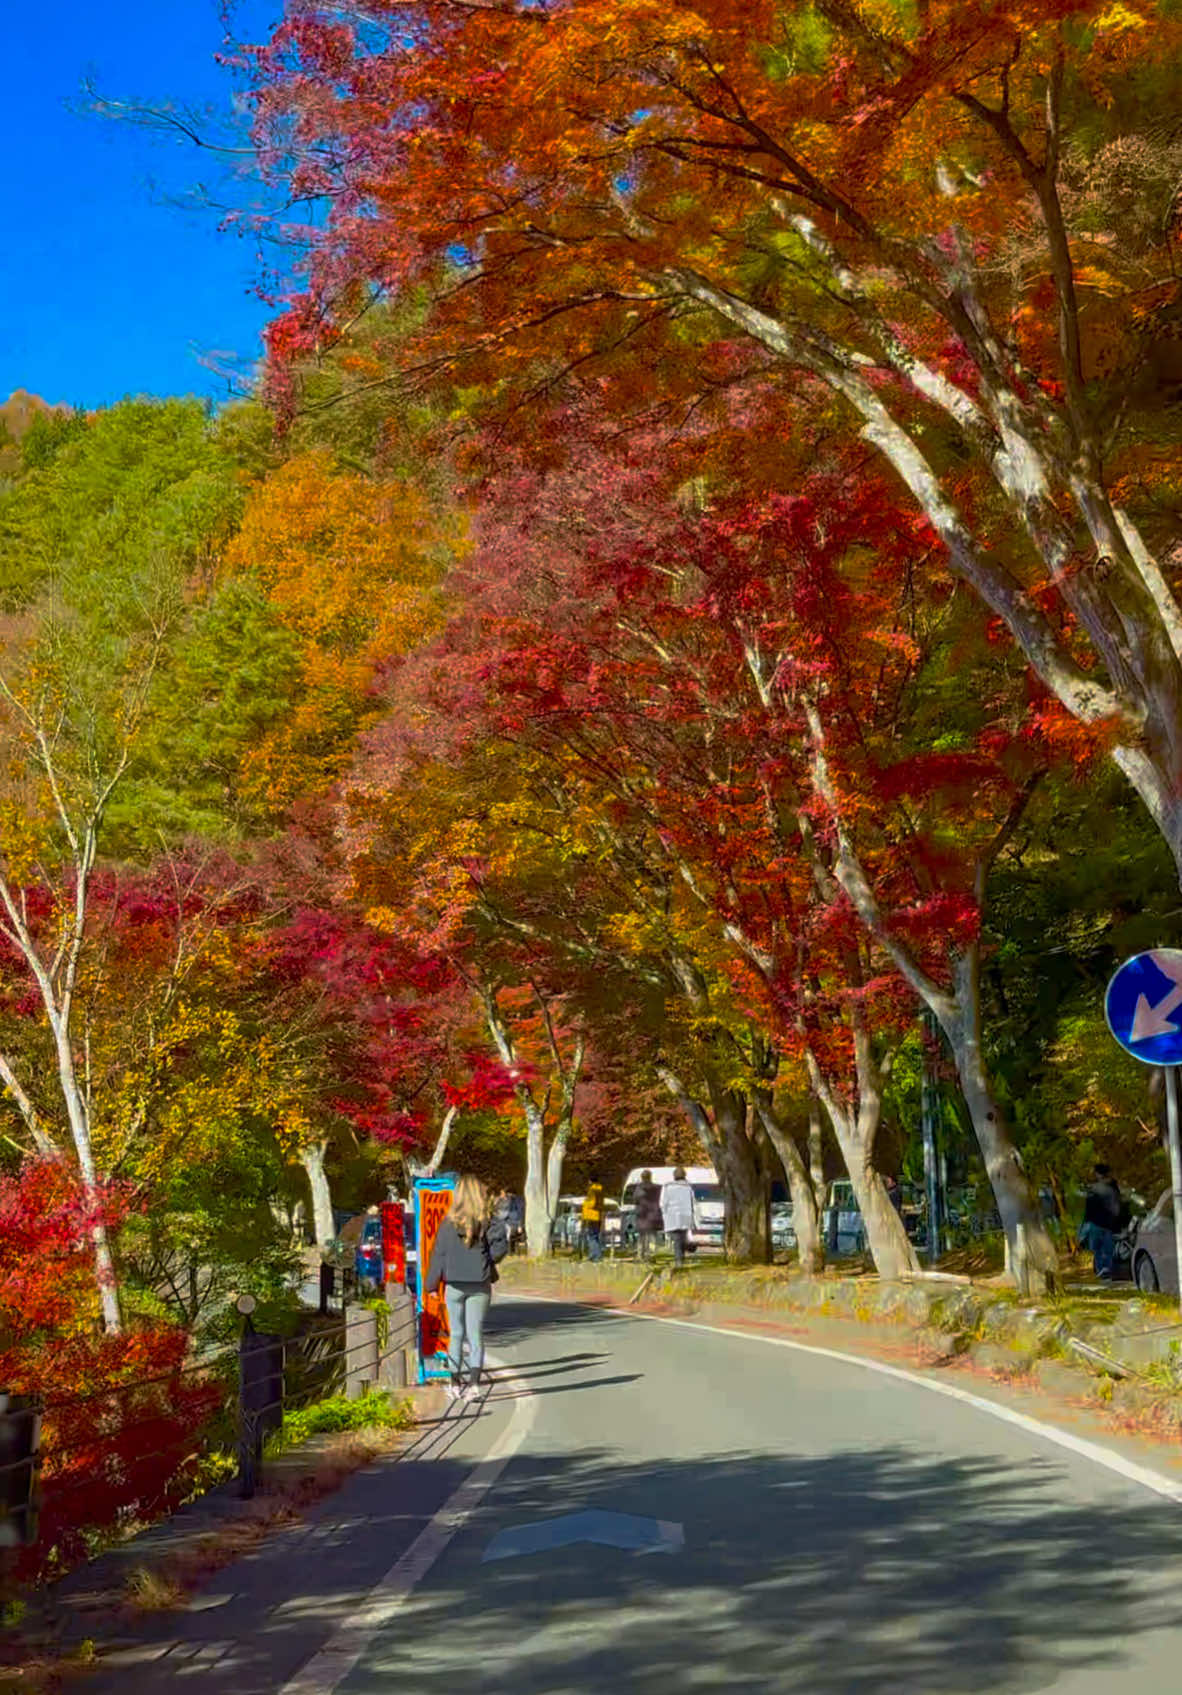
[351, 567]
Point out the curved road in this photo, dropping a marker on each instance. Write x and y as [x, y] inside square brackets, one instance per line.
[844, 1534]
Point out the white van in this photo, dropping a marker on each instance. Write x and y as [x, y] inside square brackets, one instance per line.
[708, 1204]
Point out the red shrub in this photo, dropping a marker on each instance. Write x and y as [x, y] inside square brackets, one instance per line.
[123, 1421]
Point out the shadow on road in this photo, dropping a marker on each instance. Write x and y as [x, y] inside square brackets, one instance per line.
[558, 1367]
[870, 1569]
[501, 1392]
[865, 1570]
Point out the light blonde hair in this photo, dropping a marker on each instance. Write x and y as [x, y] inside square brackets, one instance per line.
[469, 1208]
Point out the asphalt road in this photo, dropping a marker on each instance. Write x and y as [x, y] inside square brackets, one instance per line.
[844, 1533]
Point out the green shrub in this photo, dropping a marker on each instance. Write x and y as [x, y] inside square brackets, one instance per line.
[375, 1410]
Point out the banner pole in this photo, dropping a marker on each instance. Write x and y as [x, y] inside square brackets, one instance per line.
[1175, 1164]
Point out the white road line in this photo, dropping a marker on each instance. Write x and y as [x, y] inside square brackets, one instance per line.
[329, 1667]
[1168, 1487]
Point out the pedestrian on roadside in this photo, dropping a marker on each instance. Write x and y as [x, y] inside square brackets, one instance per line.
[647, 1216]
[516, 1222]
[895, 1192]
[464, 1259]
[677, 1211]
[503, 1209]
[1105, 1214]
[592, 1220]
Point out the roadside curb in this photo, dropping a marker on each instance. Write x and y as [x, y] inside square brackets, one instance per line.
[92, 1601]
[1011, 1348]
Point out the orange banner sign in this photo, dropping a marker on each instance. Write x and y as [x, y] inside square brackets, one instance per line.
[433, 1202]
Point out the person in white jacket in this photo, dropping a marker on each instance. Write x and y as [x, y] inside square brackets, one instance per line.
[677, 1212]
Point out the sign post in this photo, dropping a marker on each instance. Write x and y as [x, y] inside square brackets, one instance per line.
[432, 1199]
[1140, 1005]
[929, 1107]
[20, 1469]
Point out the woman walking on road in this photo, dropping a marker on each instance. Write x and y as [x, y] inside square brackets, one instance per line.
[647, 1217]
[677, 1210]
[464, 1259]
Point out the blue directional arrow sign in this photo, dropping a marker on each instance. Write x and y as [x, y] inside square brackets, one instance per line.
[1143, 1006]
[612, 1530]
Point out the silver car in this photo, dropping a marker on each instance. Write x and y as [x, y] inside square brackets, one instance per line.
[783, 1234]
[1155, 1250]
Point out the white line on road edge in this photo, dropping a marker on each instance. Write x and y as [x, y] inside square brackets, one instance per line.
[329, 1667]
[1106, 1457]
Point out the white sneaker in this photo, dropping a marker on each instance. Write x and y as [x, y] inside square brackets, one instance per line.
[454, 1391]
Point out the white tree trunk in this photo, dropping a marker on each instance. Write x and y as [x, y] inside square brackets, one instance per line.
[543, 1170]
[1030, 1253]
[816, 1152]
[1031, 1258]
[416, 1168]
[855, 1130]
[539, 1210]
[312, 1158]
[79, 1120]
[43, 1142]
[1133, 623]
[555, 1160]
[806, 1221]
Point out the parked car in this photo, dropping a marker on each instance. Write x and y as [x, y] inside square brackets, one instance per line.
[783, 1234]
[1154, 1249]
[371, 1270]
[843, 1225]
[612, 1224]
[564, 1231]
[369, 1260]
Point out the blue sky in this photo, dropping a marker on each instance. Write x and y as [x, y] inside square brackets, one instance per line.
[105, 288]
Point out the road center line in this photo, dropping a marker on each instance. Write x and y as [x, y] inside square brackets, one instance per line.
[1167, 1487]
[330, 1665]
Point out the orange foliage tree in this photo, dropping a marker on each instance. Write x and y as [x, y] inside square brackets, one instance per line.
[350, 566]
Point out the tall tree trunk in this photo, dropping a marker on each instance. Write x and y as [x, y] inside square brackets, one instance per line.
[570, 1075]
[555, 1159]
[856, 1129]
[1031, 1258]
[539, 1209]
[79, 1120]
[1125, 610]
[806, 1218]
[890, 1248]
[735, 1158]
[539, 1213]
[543, 1169]
[1030, 1252]
[747, 1232]
[312, 1158]
[43, 1142]
[817, 1152]
[416, 1168]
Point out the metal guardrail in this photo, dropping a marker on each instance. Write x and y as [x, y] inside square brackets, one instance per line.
[55, 1448]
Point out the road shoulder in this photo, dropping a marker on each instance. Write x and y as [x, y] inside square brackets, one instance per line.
[259, 1619]
[1088, 1406]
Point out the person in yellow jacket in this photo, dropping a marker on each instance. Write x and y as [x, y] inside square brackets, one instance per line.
[592, 1217]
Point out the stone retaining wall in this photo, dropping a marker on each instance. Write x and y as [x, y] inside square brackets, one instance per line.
[988, 1328]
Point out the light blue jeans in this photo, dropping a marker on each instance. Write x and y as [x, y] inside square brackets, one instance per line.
[467, 1309]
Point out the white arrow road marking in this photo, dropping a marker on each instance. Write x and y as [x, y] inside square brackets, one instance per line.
[610, 1530]
[1155, 1020]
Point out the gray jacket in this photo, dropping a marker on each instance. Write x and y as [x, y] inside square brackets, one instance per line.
[453, 1261]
